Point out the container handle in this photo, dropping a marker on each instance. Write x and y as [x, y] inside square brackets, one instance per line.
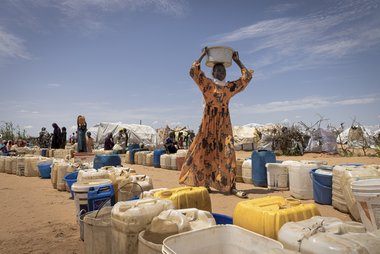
[187, 211]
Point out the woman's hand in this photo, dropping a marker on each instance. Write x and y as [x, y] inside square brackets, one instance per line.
[204, 52]
[235, 56]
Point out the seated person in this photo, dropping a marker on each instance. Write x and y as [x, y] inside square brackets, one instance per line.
[170, 145]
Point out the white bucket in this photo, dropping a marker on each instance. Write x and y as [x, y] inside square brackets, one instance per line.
[219, 54]
[246, 171]
[129, 218]
[219, 239]
[278, 176]
[81, 189]
[97, 231]
[367, 195]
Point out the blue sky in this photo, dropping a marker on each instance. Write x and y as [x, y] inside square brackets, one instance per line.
[128, 60]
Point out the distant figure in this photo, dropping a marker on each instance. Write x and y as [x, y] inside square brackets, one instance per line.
[73, 138]
[3, 148]
[108, 142]
[89, 142]
[57, 137]
[180, 140]
[63, 138]
[44, 138]
[82, 130]
[122, 139]
[170, 145]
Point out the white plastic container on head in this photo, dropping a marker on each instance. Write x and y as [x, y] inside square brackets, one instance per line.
[219, 54]
[129, 218]
[97, 231]
[321, 235]
[246, 171]
[219, 239]
[367, 195]
[278, 176]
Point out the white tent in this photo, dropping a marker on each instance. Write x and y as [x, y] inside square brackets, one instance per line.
[137, 133]
[358, 136]
[322, 140]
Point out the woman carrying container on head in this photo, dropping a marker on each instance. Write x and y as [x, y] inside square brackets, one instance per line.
[82, 130]
[211, 160]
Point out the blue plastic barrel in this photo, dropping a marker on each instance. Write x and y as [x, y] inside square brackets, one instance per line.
[156, 157]
[222, 219]
[45, 169]
[132, 155]
[99, 195]
[259, 171]
[70, 179]
[322, 187]
[102, 160]
[133, 146]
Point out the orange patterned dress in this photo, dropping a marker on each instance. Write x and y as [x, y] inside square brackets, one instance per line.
[211, 159]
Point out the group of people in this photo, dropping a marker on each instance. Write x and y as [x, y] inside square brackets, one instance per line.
[9, 147]
[55, 140]
[121, 141]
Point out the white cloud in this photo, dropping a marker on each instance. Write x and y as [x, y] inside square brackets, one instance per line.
[28, 127]
[35, 112]
[302, 104]
[54, 85]
[22, 111]
[11, 45]
[305, 41]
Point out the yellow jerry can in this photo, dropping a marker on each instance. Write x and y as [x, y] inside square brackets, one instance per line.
[187, 197]
[266, 215]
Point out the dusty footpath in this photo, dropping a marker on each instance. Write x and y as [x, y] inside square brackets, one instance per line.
[35, 218]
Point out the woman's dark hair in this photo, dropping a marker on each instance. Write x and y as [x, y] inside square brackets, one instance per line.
[63, 128]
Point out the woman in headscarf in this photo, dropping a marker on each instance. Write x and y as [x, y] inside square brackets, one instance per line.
[211, 160]
[56, 141]
[82, 130]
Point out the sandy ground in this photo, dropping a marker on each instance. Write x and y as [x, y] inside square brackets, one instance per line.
[35, 218]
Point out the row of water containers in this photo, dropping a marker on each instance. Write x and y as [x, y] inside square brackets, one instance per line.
[157, 158]
[263, 225]
[22, 165]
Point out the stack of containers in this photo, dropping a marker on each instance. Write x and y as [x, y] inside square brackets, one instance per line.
[348, 175]
[31, 168]
[266, 215]
[14, 165]
[129, 218]
[367, 194]
[8, 165]
[338, 200]
[319, 235]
